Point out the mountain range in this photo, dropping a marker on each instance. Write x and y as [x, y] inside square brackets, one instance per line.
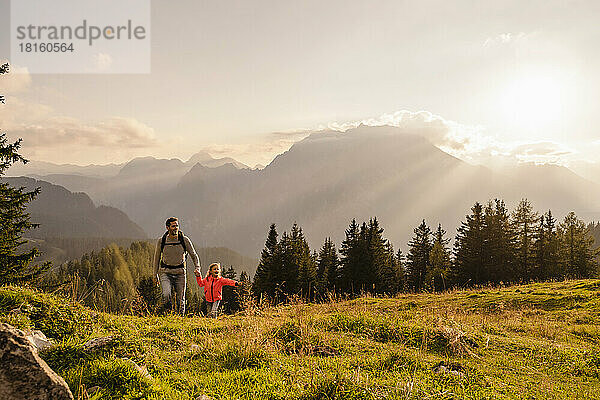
[61, 213]
[322, 182]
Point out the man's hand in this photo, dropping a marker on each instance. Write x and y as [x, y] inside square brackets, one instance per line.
[197, 272]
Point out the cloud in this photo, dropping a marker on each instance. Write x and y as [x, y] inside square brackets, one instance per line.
[503, 38]
[67, 131]
[439, 131]
[469, 143]
[40, 126]
[543, 152]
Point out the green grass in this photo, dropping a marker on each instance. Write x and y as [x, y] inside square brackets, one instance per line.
[536, 341]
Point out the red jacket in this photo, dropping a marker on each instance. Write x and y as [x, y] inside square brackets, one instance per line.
[213, 287]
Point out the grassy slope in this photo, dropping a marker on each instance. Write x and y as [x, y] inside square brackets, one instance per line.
[531, 341]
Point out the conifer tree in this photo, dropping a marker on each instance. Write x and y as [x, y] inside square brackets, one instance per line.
[16, 266]
[541, 248]
[525, 224]
[401, 270]
[578, 253]
[380, 273]
[550, 259]
[498, 244]
[469, 254]
[367, 276]
[304, 264]
[264, 284]
[350, 259]
[231, 300]
[285, 271]
[390, 275]
[439, 262]
[418, 257]
[327, 267]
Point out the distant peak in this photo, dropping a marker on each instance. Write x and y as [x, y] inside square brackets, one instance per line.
[199, 157]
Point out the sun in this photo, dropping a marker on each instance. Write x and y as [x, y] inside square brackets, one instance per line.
[532, 103]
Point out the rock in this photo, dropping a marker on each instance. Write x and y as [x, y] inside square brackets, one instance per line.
[194, 347]
[98, 343]
[453, 369]
[39, 340]
[23, 374]
[204, 397]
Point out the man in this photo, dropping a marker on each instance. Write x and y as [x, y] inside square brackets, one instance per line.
[169, 263]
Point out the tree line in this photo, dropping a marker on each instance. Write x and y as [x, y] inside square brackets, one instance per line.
[491, 246]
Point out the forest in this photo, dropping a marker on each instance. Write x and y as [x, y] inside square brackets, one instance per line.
[491, 246]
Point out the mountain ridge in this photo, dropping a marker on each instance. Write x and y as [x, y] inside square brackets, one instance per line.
[329, 178]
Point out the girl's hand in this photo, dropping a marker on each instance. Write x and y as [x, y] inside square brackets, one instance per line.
[198, 273]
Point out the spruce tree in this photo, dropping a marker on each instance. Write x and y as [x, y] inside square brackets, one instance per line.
[418, 257]
[327, 267]
[499, 243]
[231, 301]
[367, 276]
[525, 225]
[469, 256]
[16, 266]
[350, 259]
[303, 264]
[285, 271]
[439, 262]
[401, 270]
[264, 278]
[381, 273]
[390, 277]
[550, 261]
[578, 253]
[541, 249]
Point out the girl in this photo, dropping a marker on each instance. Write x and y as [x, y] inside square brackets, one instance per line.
[213, 285]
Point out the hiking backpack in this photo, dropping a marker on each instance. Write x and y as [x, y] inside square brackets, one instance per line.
[163, 243]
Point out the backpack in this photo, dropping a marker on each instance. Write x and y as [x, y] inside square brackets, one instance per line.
[179, 241]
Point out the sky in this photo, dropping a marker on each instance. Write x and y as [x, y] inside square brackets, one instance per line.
[490, 82]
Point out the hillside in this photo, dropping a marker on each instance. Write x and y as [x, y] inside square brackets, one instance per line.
[62, 213]
[532, 341]
[327, 179]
